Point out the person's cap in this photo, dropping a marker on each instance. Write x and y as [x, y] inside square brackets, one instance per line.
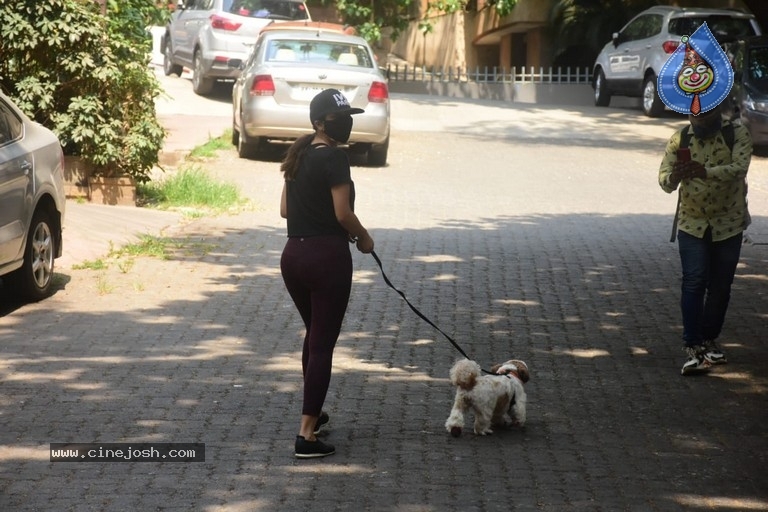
[330, 101]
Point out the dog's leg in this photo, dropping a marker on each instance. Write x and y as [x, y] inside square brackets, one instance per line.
[455, 421]
[519, 408]
[501, 414]
[483, 422]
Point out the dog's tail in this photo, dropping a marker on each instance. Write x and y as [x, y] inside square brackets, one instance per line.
[465, 373]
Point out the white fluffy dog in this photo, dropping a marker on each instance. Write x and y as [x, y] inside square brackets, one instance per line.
[491, 397]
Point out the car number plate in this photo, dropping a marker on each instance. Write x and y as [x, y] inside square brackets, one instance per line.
[306, 92]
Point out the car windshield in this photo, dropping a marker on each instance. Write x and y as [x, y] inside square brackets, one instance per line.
[318, 52]
[270, 9]
[724, 28]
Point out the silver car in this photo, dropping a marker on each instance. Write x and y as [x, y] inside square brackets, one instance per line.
[32, 200]
[287, 68]
[630, 63]
[204, 35]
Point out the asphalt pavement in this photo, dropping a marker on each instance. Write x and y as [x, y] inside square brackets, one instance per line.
[524, 231]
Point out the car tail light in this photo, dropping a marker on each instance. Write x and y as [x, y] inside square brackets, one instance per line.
[379, 93]
[670, 46]
[262, 86]
[222, 23]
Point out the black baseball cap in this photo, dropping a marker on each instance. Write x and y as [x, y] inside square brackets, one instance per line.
[330, 101]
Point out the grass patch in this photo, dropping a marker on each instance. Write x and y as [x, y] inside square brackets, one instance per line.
[209, 149]
[160, 247]
[192, 191]
[156, 247]
[147, 246]
[91, 265]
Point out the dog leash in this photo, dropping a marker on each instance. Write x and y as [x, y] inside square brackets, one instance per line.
[419, 313]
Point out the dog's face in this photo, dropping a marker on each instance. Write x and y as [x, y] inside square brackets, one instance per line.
[514, 366]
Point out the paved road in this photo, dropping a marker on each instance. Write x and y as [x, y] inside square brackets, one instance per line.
[529, 232]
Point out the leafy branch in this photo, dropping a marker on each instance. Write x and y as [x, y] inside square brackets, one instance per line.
[87, 77]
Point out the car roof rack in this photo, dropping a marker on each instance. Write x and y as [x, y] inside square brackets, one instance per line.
[312, 26]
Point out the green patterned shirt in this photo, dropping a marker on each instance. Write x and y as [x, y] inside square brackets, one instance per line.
[720, 200]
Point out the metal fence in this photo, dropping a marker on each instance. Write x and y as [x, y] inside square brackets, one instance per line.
[531, 75]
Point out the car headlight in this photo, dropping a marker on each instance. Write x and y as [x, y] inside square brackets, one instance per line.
[759, 106]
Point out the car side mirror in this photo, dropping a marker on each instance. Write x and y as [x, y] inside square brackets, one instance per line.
[616, 38]
[180, 5]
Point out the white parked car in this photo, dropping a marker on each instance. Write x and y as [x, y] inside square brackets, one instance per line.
[203, 35]
[629, 65]
[288, 66]
[32, 201]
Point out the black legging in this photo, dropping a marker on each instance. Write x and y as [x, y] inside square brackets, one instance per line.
[317, 272]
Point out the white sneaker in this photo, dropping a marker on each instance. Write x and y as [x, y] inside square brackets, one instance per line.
[697, 362]
[713, 354]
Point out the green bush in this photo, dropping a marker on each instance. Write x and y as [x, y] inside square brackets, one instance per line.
[86, 75]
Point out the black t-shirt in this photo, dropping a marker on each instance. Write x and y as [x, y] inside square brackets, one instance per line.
[308, 195]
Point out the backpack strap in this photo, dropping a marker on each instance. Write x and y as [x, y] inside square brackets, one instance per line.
[685, 137]
[728, 135]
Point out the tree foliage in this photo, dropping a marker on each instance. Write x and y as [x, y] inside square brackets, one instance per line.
[87, 77]
[587, 25]
[370, 16]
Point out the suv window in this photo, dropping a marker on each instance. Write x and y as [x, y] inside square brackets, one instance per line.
[10, 125]
[200, 5]
[273, 9]
[722, 27]
[643, 27]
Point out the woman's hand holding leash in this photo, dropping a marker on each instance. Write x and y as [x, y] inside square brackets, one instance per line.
[364, 243]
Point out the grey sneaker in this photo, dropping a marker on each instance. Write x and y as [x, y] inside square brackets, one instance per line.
[696, 362]
[714, 354]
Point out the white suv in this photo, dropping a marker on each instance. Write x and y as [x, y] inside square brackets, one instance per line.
[204, 35]
[630, 63]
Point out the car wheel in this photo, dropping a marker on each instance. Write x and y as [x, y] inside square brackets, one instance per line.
[235, 135]
[247, 147]
[200, 84]
[602, 96]
[377, 155]
[652, 104]
[33, 280]
[169, 68]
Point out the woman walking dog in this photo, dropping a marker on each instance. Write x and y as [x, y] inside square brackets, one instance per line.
[318, 202]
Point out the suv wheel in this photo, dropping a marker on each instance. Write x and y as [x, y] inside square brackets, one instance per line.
[33, 280]
[602, 96]
[200, 83]
[169, 68]
[652, 104]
